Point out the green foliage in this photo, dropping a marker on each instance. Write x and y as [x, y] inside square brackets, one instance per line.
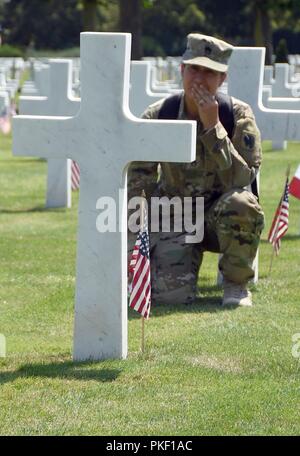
[282, 52]
[39, 24]
[7, 50]
[168, 23]
[152, 47]
[53, 24]
[67, 53]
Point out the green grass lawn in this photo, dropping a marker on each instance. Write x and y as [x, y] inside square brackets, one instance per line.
[205, 371]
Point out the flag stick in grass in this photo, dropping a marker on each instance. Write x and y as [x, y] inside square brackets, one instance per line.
[281, 220]
[139, 267]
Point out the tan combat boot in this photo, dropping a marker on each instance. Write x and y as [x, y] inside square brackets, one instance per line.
[236, 294]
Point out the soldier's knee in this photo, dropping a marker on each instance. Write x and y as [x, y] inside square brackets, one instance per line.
[242, 207]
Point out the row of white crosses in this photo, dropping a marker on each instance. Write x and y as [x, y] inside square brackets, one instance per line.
[281, 92]
[4, 100]
[245, 81]
[283, 88]
[104, 137]
[282, 80]
[283, 83]
[10, 72]
[165, 74]
[139, 98]
[141, 95]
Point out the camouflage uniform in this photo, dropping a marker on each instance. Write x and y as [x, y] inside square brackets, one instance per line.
[233, 218]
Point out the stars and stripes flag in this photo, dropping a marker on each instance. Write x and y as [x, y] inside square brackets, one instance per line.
[75, 175]
[5, 121]
[281, 220]
[139, 267]
[5, 118]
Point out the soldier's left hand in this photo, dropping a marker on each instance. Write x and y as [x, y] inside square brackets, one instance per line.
[207, 106]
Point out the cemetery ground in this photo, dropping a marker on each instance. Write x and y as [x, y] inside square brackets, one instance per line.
[205, 371]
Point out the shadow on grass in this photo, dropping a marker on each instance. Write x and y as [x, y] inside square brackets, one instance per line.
[24, 160]
[209, 301]
[287, 237]
[65, 370]
[32, 209]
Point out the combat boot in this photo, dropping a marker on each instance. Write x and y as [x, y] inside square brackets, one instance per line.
[236, 294]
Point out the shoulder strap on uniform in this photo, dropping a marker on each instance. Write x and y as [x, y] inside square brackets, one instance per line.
[227, 120]
[226, 112]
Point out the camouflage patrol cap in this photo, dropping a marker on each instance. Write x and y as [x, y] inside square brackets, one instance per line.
[207, 51]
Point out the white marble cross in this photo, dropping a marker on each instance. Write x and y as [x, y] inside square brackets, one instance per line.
[41, 75]
[103, 138]
[281, 86]
[59, 102]
[245, 81]
[268, 75]
[4, 100]
[140, 95]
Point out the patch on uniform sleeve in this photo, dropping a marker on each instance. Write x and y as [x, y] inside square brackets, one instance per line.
[249, 140]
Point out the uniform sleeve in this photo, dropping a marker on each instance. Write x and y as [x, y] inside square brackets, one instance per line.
[237, 161]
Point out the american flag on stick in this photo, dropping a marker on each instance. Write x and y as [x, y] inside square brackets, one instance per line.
[281, 220]
[75, 175]
[139, 267]
[5, 121]
[5, 118]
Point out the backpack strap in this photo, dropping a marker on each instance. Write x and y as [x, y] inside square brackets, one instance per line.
[226, 112]
[170, 107]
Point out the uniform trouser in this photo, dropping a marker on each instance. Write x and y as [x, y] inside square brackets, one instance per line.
[232, 226]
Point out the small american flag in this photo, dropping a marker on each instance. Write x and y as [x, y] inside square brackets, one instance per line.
[75, 175]
[140, 297]
[281, 220]
[5, 118]
[5, 122]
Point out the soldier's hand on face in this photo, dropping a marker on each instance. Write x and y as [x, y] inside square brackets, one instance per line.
[207, 106]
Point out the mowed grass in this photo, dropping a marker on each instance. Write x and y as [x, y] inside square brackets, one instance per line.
[205, 371]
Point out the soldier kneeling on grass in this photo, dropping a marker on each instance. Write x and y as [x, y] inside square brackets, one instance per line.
[228, 157]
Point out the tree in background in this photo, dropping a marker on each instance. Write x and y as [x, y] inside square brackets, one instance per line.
[99, 15]
[130, 20]
[90, 17]
[282, 52]
[262, 27]
[269, 16]
[121, 15]
[167, 23]
[49, 24]
[158, 27]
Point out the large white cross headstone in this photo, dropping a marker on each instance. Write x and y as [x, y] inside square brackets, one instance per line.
[59, 102]
[104, 137]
